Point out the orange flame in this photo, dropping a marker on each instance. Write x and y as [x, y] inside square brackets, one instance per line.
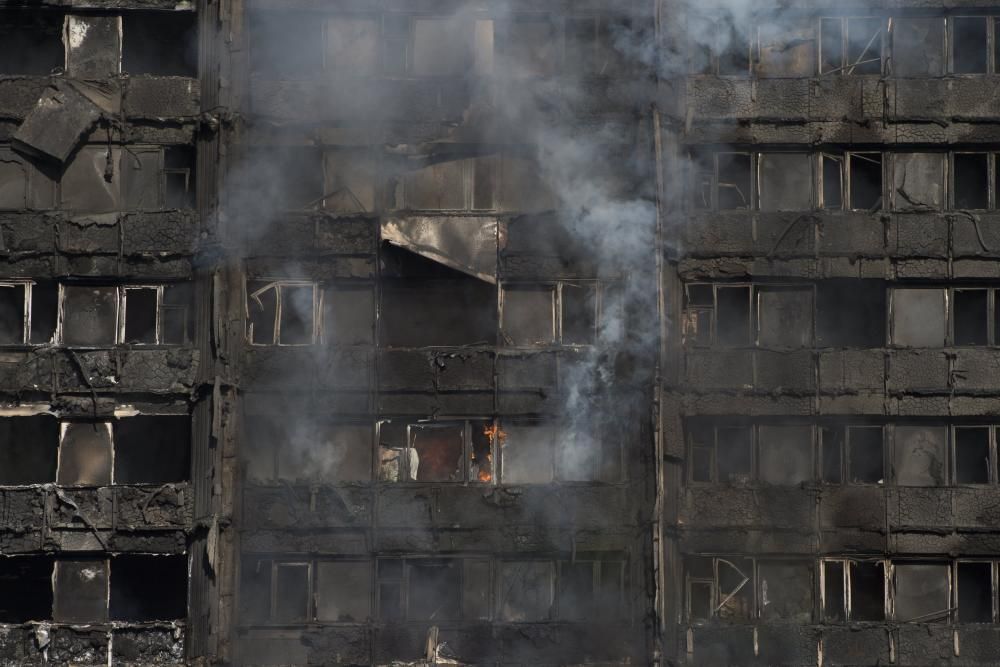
[491, 431]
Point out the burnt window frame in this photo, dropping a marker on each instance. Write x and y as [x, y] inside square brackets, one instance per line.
[698, 174]
[278, 284]
[26, 286]
[720, 27]
[753, 325]
[895, 448]
[956, 585]
[844, 68]
[992, 312]
[993, 438]
[466, 459]
[311, 564]
[810, 563]
[847, 564]
[992, 176]
[273, 454]
[406, 566]
[601, 290]
[598, 560]
[121, 296]
[714, 593]
[845, 454]
[944, 615]
[814, 198]
[755, 441]
[469, 165]
[35, 179]
[945, 47]
[992, 33]
[606, 448]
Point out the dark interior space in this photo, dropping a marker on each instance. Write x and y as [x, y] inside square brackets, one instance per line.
[152, 449]
[160, 43]
[12, 305]
[32, 41]
[972, 317]
[866, 181]
[972, 181]
[26, 586]
[850, 313]
[29, 448]
[148, 588]
[140, 316]
[971, 52]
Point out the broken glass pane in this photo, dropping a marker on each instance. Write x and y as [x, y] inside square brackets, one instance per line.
[918, 46]
[27, 585]
[734, 49]
[784, 317]
[733, 315]
[262, 312]
[785, 591]
[85, 454]
[920, 455]
[439, 452]
[834, 601]
[734, 453]
[579, 313]
[148, 588]
[785, 454]
[918, 317]
[831, 46]
[833, 182]
[436, 187]
[343, 591]
[529, 315]
[91, 182]
[735, 587]
[734, 180]
[526, 590]
[90, 315]
[29, 449]
[921, 592]
[296, 305]
[864, 45]
[785, 181]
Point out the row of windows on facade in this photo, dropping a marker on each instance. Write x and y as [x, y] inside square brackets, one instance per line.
[101, 179]
[142, 449]
[902, 46]
[788, 454]
[346, 180]
[41, 313]
[77, 590]
[303, 45]
[405, 450]
[738, 589]
[854, 180]
[840, 313]
[156, 43]
[590, 586]
[294, 312]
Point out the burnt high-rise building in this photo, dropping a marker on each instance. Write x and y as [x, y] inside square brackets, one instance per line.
[501, 333]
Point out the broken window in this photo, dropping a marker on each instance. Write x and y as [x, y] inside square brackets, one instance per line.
[592, 45]
[853, 590]
[285, 43]
[435, 590]
[32, 40]
[565, 312]
[178, 176]
[853, 453]
[921, 592]
[785, 591]
[348, 315]
[89, 315]
[150, 315]
[289, 178]
[349, 181]
[732, 314]
[29, 449]
[972, 455]
[865, 179]
[281, 312]
[528, 46]
[917, 46]
[459, 311]
[526, 591]
[784, 316]
[850, 313]
[970, 44]
[919, 317]
[93, 46]
[14, 319]
[351, 45]
[25, 184]
[722, 181]
[719, 588]
[971, 180]
[436, 452]
[343, 591]
[159, 177]
[160, 43]
[591, 586]
[466, 184]
[785, 454]
[971, 317]
[919, 458]
[148, 588]
[91, 182]
[974, 580]
[298, 449]
[918, 181]
[25, 589]
[540, 453]
[81, 591]
[851, 45]
[733, 46]
[787, 48]
[720, 453]
[152, 449]
[529, 315]
[85, 454]
[832, 176]
[784, 181]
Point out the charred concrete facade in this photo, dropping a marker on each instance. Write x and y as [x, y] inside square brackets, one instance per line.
[828, 402]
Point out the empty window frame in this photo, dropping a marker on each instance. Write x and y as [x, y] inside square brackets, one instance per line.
[539, 453]
[147, 587]
[160, 43]
[32, 40]
[290, 592]
[433, 589]
[282, 312]
[722, 181]
[784, 181]
[460, 451]
[974, 454]
[27, 313]
[934, 317]
[785, 590]
[976, 591]
[918, 46]
[921, 591]
[851, 45]
[852, 180]
[774, 316]
[719, 588]
[852, 454]
[854, 590]
[98, 315]
[297, 449]
[456, 184]
[970, 39]
[25, 589]
[526, 590]
[719, 47]
[29, 450]
[591, 585]
[720, 453]
[974, 178]
[566, 313]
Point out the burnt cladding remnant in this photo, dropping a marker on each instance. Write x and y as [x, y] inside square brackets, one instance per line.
[634, 332]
